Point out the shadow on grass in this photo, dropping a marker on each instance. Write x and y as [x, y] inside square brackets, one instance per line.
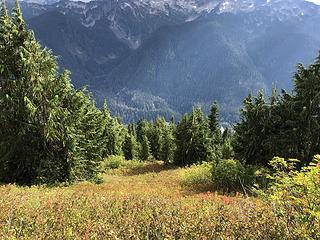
[152, 167]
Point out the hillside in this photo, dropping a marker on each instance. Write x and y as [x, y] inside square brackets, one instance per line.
[144, 202]
[162, 57]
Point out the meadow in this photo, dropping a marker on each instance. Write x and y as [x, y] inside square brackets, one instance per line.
[143, 201]
[77, 176]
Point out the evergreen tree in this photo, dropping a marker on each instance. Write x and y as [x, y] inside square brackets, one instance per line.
[145, 149]
[132, 129]
[249, 142]
[306, 104]
[214, 124]
[168, 146]
[288, 125]
[227, 149]
[193, 139]
[226, 134]
[114, 134]
[156, 137]
[48, 131]
[142, 129]
[129, 147]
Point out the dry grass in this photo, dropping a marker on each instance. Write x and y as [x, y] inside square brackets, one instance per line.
[142, 203]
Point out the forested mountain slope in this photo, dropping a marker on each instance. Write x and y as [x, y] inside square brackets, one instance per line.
[161, 57]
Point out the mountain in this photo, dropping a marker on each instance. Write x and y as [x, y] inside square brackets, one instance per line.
[149, 57]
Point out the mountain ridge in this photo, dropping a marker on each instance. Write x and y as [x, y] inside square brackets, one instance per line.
[125, 48]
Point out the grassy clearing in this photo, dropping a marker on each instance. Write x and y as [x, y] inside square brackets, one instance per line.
[146, 202]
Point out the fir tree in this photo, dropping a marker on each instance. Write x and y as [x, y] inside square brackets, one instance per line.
[129, 147]
[145, 149]
[193, 139]
[214, 124]
[249, 142]
[142, 129]
[114, 134]
[168, 146]
[287, 125]
[156, 137]
[48, 131]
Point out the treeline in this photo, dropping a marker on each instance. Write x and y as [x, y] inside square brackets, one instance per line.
[50, 132]
[286, 125]
[196, 138]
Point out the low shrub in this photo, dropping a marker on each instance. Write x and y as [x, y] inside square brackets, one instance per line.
[90, 212]
[197, 174]
[231, 176]
[295, 196]
[228, 175]
[116, 162]
[133, 164]
[256, 176]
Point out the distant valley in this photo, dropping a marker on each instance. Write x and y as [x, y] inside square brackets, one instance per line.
[153, 57]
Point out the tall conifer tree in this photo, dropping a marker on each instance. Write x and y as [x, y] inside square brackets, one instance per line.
[48, 131]
[193, 138]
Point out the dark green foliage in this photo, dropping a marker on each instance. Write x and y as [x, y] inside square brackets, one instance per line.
[214, 124]
[168, 147]
[306, 105]
[159, 135]
[49, 132]
[228, 175]
[227, 150]
[161, 139]
[113, 135]
[156, 137]
[193, 139]
[142, 130]
[249, 141]
[145, 149]
[286, 125]
[130, 147]
[215, 128]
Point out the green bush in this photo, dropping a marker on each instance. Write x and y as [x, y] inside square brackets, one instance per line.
[197, 174]
[133, 164]
[114, 162]
[295, 196]
[228, 175]
[256, 176]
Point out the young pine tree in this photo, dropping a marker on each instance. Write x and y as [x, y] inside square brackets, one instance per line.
[250, 138]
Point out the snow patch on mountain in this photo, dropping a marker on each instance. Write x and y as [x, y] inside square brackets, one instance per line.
[125, 17]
